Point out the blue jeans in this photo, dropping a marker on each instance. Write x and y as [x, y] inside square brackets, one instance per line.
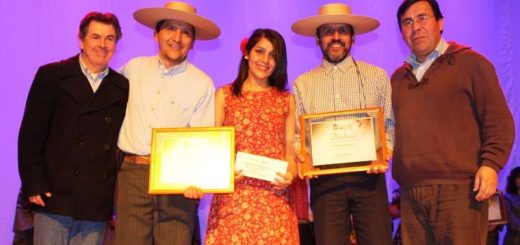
[52, 229]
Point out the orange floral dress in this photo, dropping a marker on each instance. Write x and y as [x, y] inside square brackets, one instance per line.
[255, 213]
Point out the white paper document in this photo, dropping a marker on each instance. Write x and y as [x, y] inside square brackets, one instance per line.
[259, 167]
[343, 141]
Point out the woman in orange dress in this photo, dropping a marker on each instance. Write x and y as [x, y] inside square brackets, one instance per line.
[262, 111]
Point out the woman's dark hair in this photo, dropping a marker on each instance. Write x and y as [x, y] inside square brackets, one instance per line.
[279, 77]
[407, 3]
[511, 187]
[105, 18]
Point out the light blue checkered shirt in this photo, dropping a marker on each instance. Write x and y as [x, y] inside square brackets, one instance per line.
[419, 68]
[94, 79]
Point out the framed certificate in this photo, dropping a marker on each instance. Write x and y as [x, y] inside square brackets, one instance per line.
[183, 157]
[497, 213]
[343, 141]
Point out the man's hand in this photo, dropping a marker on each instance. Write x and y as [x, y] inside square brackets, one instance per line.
[38, 200]
[377, 169]
[299, 160]
[193, 192]
[485, 183]
[381, 169]
[389, 154]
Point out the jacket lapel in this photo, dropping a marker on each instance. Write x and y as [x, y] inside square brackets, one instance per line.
[111, 91]
[73, 82]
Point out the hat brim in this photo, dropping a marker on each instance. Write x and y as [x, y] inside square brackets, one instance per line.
[308, 26]
[205, 29]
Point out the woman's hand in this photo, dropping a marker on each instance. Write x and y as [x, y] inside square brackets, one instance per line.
[283, 181]
[238, 175]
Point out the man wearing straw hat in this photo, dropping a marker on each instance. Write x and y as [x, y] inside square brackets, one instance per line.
[166, 90]
[342, 83]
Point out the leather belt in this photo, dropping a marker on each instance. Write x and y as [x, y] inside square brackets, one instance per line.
[137, 159]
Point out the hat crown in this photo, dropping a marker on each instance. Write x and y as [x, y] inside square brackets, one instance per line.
[335, 9]
[181, 6]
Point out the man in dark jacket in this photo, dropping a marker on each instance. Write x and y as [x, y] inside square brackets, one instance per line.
[67, 140]
[453, 132]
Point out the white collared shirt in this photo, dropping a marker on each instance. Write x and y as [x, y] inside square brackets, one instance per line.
[418, 68]
[176, 97]
[94, 79]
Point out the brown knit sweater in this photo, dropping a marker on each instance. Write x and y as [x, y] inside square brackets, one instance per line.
[452, 122]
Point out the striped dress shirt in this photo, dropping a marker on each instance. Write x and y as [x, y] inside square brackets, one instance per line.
[348, 85]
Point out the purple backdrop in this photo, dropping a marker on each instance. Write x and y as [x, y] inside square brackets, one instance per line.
[37, 32]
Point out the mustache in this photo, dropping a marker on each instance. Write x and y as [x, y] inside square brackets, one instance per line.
[334, 42]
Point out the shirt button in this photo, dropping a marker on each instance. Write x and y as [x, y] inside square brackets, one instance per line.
[108, 119]
[79, 143]
[106, 147]
[77, 172]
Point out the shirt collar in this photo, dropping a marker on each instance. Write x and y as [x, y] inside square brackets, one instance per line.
[91, 76]
[172, 70]
[438, 51]
[344, 65]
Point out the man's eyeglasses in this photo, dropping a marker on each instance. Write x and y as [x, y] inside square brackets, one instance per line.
[327, 30]
[421, 19]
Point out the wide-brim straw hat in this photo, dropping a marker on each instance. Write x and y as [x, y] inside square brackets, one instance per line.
[333, 13]
[205, 29]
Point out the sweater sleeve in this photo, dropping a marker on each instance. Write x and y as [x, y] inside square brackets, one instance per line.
[495, 119]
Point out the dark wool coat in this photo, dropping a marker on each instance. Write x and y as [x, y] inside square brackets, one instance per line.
[67, 140]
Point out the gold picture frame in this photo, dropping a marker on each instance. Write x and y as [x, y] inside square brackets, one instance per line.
[202, 157]
[342, 141]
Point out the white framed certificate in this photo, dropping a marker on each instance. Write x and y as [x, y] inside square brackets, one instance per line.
[259, 167]
[342, 141]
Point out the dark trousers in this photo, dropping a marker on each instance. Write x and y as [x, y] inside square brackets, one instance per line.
[306, 232]
[512, 238]
[443, 214]
[336, 198]
[150, 219]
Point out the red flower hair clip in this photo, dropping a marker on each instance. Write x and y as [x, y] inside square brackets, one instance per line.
[243, 44]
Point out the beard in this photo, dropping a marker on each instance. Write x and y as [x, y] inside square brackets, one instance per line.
[335, 57]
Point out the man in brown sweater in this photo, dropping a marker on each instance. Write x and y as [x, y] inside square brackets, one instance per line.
[453, 132]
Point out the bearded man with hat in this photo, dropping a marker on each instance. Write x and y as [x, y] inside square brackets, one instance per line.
[342, 83]
[166, 91]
